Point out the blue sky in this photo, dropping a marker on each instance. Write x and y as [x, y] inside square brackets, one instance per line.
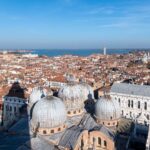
[74, 23]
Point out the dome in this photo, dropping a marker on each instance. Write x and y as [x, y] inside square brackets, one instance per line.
[106, 109]
[49, 112]
[71, 95]
[74, 95]
[87, 91]
[37, 94]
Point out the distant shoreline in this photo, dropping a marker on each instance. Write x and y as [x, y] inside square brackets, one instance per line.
[51, 49]
[74, 52]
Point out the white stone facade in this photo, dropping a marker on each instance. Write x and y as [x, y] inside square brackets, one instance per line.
[11, 109]
[54, 84]
[133, 106]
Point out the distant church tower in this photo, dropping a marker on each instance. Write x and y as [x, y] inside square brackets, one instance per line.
[104, 51]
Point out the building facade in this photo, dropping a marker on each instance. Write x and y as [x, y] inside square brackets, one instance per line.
[12, 104]
[11, 110]
[134, 100]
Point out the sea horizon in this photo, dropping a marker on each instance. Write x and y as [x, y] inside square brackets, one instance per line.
[74, 52]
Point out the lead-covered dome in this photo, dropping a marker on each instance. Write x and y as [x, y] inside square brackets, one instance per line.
[107, 111]
[87, 91]
[49, 113]
[36, 94]
[74, 95]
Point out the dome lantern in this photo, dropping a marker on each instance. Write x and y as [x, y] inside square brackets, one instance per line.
[36, 95]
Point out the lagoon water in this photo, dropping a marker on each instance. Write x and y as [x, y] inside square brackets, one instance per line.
[78, 52]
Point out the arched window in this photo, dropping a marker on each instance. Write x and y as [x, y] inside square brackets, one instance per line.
[139, 105]
[148, 117]
[128, 103]
[99, 140]
[44, 132]
[59, 129]
[111, 117]
[74, 112]
[105, 143]
[145, 105]
[119, 100]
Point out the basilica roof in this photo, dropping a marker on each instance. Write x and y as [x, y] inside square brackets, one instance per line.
[107, 109]
[73, 91]
[70, 92]
[70, 137]
[72, 134]
[88, 123]
[75, 94]
[49, 112]
[36, 94]
[37, 144]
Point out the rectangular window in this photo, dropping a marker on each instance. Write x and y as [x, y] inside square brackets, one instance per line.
[145, 105]
[132, 103]
[14, 109]
[139, 105]
[128, 103]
